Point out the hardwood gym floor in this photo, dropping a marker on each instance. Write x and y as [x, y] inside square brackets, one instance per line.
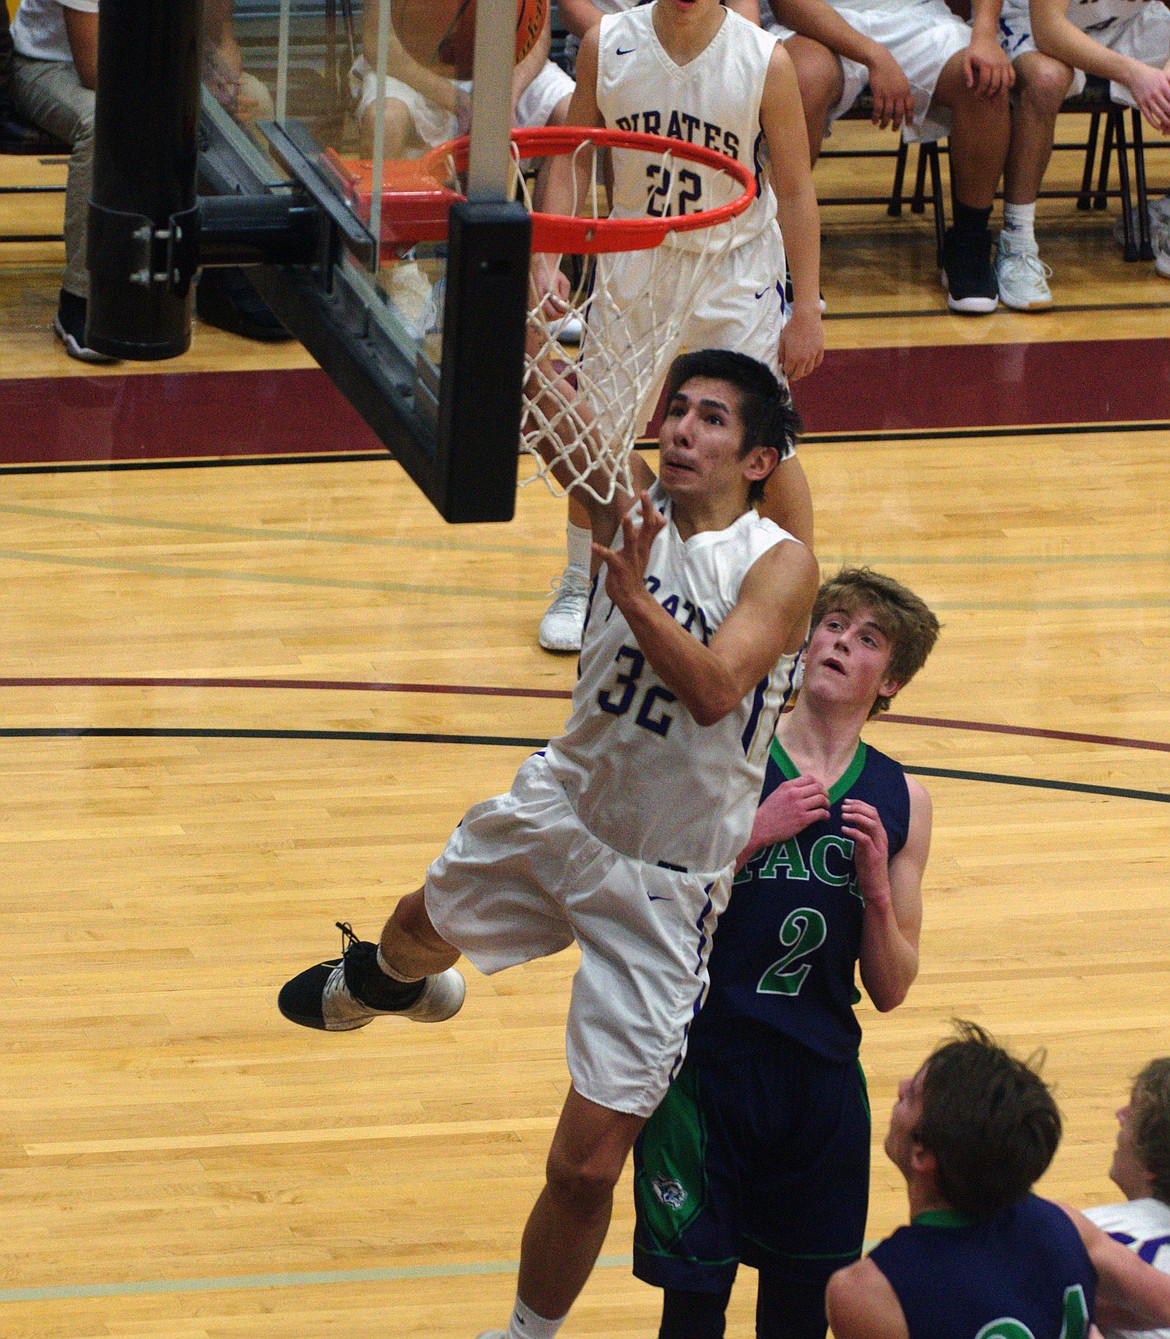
[250, 682]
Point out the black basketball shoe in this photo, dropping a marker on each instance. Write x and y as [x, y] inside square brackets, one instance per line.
[968, 274]
[349, 992]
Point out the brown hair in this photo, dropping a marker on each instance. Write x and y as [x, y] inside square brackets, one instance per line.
[904, 618]
[989, 1119]
[1149, 1110]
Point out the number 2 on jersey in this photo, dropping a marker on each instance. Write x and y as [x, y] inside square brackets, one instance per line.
[802, 933]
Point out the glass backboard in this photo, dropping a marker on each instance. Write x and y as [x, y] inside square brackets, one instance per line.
[420, 322]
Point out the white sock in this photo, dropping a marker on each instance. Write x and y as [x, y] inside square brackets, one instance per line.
[579, 546]
[391, 973]
[1020, 221]
[526, 1324]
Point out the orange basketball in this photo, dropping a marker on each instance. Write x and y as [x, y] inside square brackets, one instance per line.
[442, 32]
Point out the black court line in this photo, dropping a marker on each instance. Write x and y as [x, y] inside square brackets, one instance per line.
[510, 741]
[961, 434]
[555, 694]
[935, 312]
[195, 463]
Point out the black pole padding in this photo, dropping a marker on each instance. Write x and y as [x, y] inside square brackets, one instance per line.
[256, 230]
[143, 202]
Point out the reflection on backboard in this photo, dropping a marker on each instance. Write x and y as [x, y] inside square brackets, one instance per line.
[420, 323]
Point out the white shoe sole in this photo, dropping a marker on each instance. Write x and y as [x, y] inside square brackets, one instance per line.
[972, 306]
[1024, 305]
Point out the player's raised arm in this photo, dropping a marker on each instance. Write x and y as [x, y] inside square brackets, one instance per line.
[802, 342]
[769, 619]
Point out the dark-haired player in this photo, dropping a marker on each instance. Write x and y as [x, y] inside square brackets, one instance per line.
[622, 834]
[971, 1132]
[760, 1151]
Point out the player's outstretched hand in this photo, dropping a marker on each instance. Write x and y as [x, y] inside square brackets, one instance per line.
[625, 567]
[871, 849]
[986, 68]
[802, 344]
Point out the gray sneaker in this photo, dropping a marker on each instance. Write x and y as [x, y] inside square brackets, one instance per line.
[324, 996]
[1021, 274]
[563, 623]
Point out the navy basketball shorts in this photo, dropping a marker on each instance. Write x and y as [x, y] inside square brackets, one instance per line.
[762, 1159]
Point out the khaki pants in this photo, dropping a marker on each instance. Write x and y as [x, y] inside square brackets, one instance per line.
[49, 93]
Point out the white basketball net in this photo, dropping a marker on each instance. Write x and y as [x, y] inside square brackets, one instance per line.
[584, 406]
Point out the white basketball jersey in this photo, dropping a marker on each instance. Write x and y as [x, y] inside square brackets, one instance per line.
[713, 101]
[1143, 1226]
[641, 774]
[1094, 16]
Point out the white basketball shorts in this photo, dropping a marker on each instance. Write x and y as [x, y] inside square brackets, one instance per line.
[741, 307]
[522, 878]
[921, 35]
[435, 125]
[1143, 35]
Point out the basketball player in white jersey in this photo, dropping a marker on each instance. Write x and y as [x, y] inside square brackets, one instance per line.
[1141, 1171]
[622, 834]
[424, 108]
[692, 69]
[1052, 45]
[931, 74]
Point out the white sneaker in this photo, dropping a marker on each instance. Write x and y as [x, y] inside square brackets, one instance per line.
[1021, 274]
[411, 296]
[1159, 212]
[567, 329]
[1162, 256]
[494, 1334]
[563, 623]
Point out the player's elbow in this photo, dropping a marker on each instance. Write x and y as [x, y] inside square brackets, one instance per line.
[711, 707]
[887, 990]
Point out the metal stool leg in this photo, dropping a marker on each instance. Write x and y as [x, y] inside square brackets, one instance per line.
[1117, 116]
[894, 208]
[1145, 245]
[1083, 200]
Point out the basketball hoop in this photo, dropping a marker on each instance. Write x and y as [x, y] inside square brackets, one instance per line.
[636, 280]
[633, 294]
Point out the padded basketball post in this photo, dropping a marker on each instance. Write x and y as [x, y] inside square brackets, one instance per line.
[483, 358]
[147, 110]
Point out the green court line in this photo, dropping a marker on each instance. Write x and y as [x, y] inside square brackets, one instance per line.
[546, 550]
[464, 592]
[306, 1279]
[268, 534]
[272, 578]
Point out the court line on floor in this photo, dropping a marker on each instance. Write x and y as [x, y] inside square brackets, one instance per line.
[281, 535]
[505, 741]
[269, 578]
[559, 694]
[274, 535]
[299, 1279]
[1088, 605]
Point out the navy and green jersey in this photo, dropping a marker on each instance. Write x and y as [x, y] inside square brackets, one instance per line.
[786, 949]
[1023, 1274]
